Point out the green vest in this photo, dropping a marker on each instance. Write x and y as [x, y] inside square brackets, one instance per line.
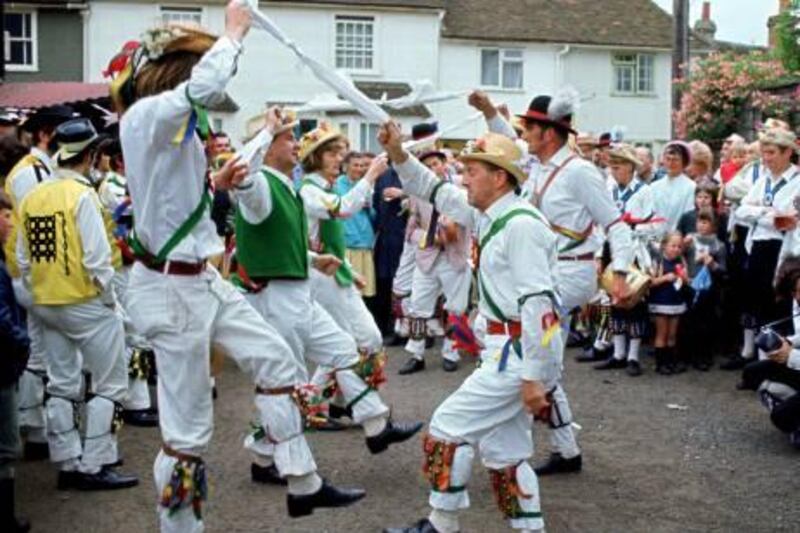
[331, 236]
[278, 246]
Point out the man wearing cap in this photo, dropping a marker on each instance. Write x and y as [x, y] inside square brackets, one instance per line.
[279, 287]
[31, 170]
[177, 301]
[441, 265]
[521, 360]
[573, 196]
[64, 257]
[771, 197]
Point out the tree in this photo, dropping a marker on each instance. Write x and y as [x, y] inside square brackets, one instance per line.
[787, 27]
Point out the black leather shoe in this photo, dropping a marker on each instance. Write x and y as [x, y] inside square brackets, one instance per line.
[412, 366]
[335, 411]
[267, 475]
[36, 451]
[449, 366]
[734, 363]
[558, 465]
[392, 434]
[423, 526]
[634, 369]
[611, 364]
[144, 418]
[593, 356]
[119, 462]
[327, 496]
[105, 479]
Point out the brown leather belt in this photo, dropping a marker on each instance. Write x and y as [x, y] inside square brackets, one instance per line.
[589, 256]
[177, 268]
[179, 455]
[513, 328]
[275, 391]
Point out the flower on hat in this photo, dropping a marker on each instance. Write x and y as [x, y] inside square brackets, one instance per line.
[155, 41]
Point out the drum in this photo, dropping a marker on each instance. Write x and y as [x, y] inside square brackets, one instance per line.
[638, 281]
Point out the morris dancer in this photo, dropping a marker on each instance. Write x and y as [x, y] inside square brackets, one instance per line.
[521, 360]
[279, 287]
[177, 301]
[572, 195]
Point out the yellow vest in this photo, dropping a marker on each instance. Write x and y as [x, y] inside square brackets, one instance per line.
[53, 243]
[10, 246]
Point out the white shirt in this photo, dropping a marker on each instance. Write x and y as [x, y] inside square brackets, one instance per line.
[755, 210]
[166, 181]
[321, 204]
[112, 191]
[576, 200]
[673, 197]
[519, 264]
[93, 236]
[27, 177]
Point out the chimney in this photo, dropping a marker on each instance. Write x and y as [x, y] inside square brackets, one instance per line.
[772, 24]
[705, 27]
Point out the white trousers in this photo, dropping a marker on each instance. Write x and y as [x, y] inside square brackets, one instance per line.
[138, 390]
[348, 309]
[425, 290]
[96, 331]
[404, 275]
[486, 412]
[181, 316]
[577, 285]
[32, 417]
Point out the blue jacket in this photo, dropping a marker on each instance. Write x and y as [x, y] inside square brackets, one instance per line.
[390, 227]
[14, 343]
[358, 232]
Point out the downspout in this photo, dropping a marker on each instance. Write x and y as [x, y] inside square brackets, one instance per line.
[560, 55]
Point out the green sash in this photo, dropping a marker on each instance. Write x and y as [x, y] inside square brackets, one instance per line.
[331, 236]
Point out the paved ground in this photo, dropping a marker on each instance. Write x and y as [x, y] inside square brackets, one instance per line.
[716, 466]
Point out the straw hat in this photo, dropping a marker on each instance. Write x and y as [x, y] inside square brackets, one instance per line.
[779, 137]
[315, 138]
[624, 153]
[73, 138]
[586, 139]
[256, 123]
[497, 150]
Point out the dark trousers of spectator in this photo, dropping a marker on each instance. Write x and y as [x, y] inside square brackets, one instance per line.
[758, 281]
[698, 329]
[731, 293]
[382, 305]
[785, 415]
[9, 432]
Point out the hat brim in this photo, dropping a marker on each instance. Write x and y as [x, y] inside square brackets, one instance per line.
[65, 153]
[332, 136]
[432, 153]
[512, 169]
[777, 142]
[280, 131]
[533, 116]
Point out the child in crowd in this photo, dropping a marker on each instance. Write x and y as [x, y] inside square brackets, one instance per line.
[704, 249]
[667, 301]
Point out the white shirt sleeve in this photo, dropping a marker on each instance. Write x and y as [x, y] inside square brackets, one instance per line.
[498, 124]
[451, 200]
[206, 86]
[254, 198]
[323, 205]
[94, 239]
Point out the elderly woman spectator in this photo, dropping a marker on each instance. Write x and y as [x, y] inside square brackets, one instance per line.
[702, 162]
[725, 153]
[673, 195]
[738, 158]
[647, 170]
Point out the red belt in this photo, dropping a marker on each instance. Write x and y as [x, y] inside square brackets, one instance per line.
[589, 256]
[177, 268]
[513, 328]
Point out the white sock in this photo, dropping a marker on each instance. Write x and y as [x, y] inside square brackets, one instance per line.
[600, 345]
[373, 426]
[70, 465]
[633, 349]
[444, 521]
[302, 485]
[262, 460]
[749, 343]
[619, 347]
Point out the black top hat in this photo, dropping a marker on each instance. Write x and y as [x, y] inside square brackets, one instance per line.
[538, 111]
[48, 116]
[420, 131]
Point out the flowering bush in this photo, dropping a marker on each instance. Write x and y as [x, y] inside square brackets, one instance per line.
[787, 28]
[721, 86]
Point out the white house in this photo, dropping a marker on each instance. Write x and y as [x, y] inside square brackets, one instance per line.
[512, 48]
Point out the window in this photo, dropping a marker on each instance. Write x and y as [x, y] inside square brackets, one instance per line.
[182, 15]
[19, 34]
[355, 43]
[634, 73]
[501, 68]
[369, 138]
